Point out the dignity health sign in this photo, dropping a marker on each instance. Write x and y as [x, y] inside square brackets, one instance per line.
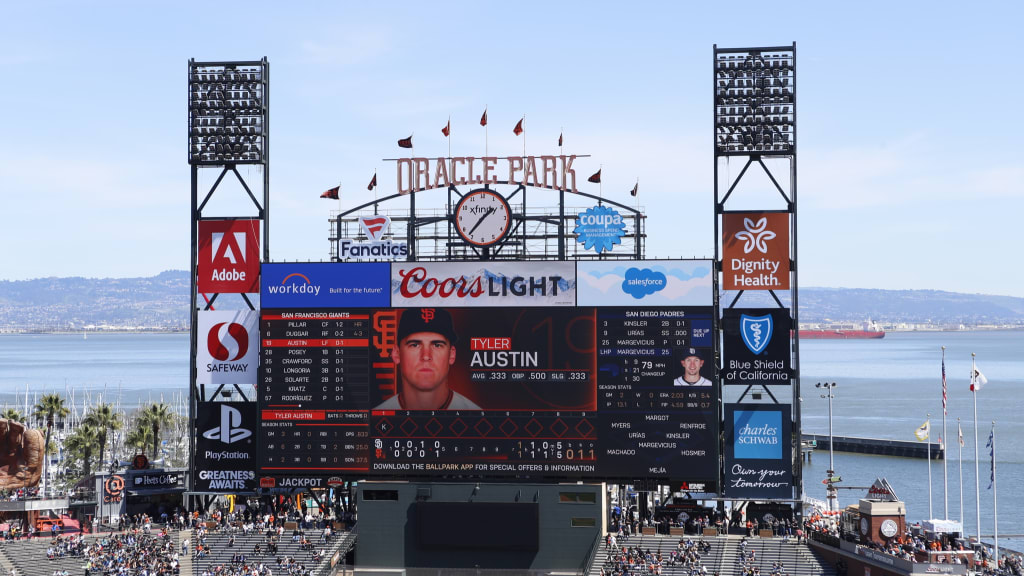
[758, 451]
[755, 251]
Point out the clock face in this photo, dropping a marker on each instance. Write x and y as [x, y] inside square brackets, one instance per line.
[864, 526]
[889, 528]
[482, 218]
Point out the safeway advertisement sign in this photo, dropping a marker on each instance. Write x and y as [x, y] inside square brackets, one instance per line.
[228, 347]
[229, 256]
[755, 251]
[483, 284]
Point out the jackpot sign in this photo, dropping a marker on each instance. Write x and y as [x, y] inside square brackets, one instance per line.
[755, 251]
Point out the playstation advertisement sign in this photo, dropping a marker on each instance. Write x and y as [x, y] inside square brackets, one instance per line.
[225, 457]
[756, 346]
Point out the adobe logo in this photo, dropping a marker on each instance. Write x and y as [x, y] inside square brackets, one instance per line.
[227, 341]
[228, 256]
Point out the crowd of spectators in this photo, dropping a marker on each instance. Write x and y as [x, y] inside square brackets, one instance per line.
[625, 560]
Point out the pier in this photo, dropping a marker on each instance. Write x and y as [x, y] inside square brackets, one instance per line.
[880, 446]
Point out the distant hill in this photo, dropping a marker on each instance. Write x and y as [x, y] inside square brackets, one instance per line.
[161, 303]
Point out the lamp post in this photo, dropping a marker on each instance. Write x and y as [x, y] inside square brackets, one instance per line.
[830, 393]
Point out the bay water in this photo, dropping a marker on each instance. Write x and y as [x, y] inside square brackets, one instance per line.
[885, 388]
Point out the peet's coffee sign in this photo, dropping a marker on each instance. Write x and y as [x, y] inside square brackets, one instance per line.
[555, 172]
[157, 480]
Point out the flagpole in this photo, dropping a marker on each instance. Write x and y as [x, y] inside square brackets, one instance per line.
[977, 479]
[995, 509]
[929, 441]
[960, 460]
[449, 137]
[945, 442]
[485, 131]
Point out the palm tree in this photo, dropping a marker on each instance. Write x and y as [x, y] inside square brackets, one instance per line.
[81, 443]
[104, 419]
[156, 415]
[13, 414]
[49, 408]
[140, 436]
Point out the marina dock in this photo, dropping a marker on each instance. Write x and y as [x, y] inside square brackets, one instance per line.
[880, 446]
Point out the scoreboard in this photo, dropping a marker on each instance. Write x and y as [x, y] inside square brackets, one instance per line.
[540, 371]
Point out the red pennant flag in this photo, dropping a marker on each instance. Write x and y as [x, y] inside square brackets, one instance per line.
[332, 193]
[405, 142]
[596, 178]
[373, 183]
[559, 139]
[518, 129]
[447, 128]
[633, 192]
[483, 119]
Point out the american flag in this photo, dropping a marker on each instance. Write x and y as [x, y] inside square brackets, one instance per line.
[944, 386]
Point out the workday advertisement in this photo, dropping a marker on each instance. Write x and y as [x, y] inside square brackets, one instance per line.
[645, 283]
[758, 451]
[325, 285]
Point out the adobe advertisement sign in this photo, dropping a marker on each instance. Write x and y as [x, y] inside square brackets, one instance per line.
[228, 348]
[225, 458]
[229, 256]
[756, 347]
[758, 451]
[755, 251]
[453, 284]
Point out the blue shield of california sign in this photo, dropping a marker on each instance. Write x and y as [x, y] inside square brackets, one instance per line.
[756, 332]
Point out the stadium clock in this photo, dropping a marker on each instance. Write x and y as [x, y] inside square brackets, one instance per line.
[482, 218]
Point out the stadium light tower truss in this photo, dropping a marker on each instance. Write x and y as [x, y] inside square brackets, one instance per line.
[755, 118]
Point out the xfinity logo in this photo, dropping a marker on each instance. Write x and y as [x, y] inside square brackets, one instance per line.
[229, 430]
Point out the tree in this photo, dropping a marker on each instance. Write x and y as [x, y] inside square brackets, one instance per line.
[156, 416]
[13, 414]
[140, 437]
[49, 408]
[81, 443]
[105, 419]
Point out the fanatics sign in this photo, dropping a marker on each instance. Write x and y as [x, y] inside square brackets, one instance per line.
[229, 256]
[755, 251]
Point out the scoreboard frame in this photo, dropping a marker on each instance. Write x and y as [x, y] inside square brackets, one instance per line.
[630, 423]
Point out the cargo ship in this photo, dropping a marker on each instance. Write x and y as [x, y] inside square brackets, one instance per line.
[868, 330]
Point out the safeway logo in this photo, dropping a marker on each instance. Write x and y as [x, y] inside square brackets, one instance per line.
[374, 226]
[230, 430]
[228, 341]
[755, 235]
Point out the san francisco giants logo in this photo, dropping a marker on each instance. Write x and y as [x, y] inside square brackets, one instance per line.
[386, 326]
[427, 314]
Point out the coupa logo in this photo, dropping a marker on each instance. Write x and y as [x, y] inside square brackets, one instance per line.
[643, 282]
[756, 332]
[758, 434]
[230, 429]
[227, 341]
[295, 283]
[755, 235]
[374, 226]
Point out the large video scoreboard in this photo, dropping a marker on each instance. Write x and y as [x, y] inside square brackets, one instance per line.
[540, 370]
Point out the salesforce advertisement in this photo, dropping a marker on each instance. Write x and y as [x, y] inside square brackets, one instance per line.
[645, 283]
[758, 451]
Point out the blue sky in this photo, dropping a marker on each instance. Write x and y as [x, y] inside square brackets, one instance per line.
[909, 170]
